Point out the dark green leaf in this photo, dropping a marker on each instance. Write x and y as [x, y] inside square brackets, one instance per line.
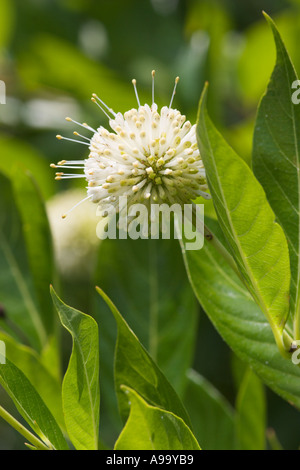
[146, 277]
[240, 321]
[17, 291]
[276, 156]
[256, 242]
[136, 369]
[251, 414]
[211, 415]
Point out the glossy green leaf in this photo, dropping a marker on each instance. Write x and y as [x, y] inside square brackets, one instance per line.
[80, 390]
[276, 156]
[256, 242]
[17, 293]
[251, 414]
[30, 405]
[211, 415]
[240, 321]
[151, 428]
[47, 386]
[136, 369]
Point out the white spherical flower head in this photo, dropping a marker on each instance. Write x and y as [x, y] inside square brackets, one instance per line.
[150, 157]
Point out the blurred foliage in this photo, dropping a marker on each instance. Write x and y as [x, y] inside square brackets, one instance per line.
[55, 53]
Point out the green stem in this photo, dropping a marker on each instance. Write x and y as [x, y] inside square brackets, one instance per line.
[22, 430]
[297, 323]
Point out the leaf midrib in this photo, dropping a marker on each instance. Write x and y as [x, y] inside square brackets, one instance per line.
[249, 272]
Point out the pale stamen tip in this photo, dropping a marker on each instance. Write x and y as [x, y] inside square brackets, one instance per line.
[68, 119]
[59, 137]
[153, 73]
[64, 216]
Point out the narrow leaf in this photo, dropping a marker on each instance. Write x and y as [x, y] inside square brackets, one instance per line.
[18, 297]
[48, 387]
[30, 405]
[211, 415]
[80, 391]
[136, 369]
[251, 414]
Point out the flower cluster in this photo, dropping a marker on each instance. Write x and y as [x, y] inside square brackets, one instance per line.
[149, 156]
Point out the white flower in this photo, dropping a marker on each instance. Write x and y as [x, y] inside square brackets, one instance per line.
[148, 156]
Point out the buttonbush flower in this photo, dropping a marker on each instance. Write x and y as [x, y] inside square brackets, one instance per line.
[149, 156]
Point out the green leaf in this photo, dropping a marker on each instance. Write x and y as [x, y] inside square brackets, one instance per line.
[38, 241]
[251, 414]
[151, 428]
[23, 157]
[147, 277]
[17, 293]
[136, 369]
[80, 390]
[30, 405]
[48, 387]
[211, 415]
[276, 156]
[240, 321]
[256, 242]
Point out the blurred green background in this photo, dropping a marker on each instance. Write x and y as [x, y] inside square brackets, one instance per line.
[55, 53]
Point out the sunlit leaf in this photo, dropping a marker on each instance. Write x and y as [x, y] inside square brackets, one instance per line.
[240, 321]
[30, 405]
[151, 428]
[256, 242]
[80, 390]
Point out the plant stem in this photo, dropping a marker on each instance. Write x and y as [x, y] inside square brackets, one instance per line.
[22, 430]
[297, 323]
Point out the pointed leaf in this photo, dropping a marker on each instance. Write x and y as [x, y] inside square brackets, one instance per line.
[30, 405]
[211, 415]
[80, 391]
[151, 428]
[276, 155]
[136, 369]
[257, 243]
[251, 413]
[240, 321]
[145, 276]
[48, 387]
